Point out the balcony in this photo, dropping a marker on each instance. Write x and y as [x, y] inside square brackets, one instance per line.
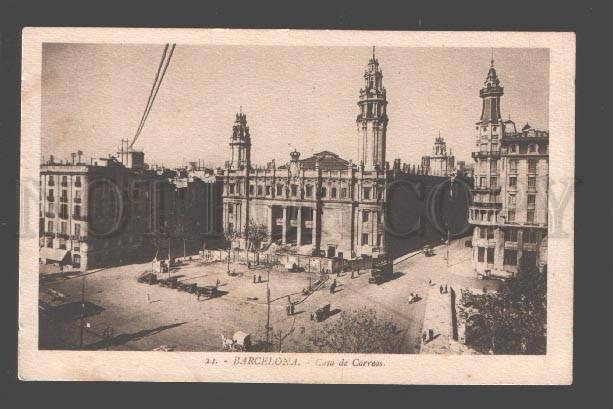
[488, 205]
[64, 216]
[51, 183]
[50, 199]
[79, 217]
[486, 154]
[486, 189]
[77, 200]
[64, 183]
[62, 236]
[77, 184]
[49, 234]
[50, 215]
[63, 199]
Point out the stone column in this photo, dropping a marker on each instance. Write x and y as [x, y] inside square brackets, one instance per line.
[284, 227]
[299, 227]
[270, 223]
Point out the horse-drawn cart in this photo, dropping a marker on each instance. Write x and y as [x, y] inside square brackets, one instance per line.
[321, 314]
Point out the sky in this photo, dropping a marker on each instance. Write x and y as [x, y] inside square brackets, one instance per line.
[295, 97]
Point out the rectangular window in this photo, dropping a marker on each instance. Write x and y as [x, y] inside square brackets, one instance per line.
[50, 192]
[510, 235]
[490, 255]
[231, 188]
[268, 190]
[530, 236]
[494, 166]
[333, 193]
[309, 191]
[483, 182]
[532, 166]
[513, 165]
[343, 193]
[530, 216]
[63, 227]
[482, 233]
[50, 226]
[531, 201]
[364, 239]
[493, 182]
[64, 195]
[251, 190]
[379, 240]
[279, 190]
[510, 257]
[364, 216]
[511, 216]
[512, 181]
[531, 182]
[490, 232]
[294, 189]
[366, 193]
[50, 207]
[77, 211]
[77, 230]
[49, 242]
[50, 181]
[260, 190]
[481, 254]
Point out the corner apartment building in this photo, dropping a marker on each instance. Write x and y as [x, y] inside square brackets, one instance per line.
[510, 194]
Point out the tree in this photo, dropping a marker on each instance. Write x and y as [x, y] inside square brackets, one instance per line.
[229, 237]
[357, 331]
[513, 320]
[256, 235]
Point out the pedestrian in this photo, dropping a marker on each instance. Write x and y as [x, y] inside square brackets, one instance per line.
[358, 271]
[424, 336]
[217, 283]
[430, 334]
[254, 279]
[430, 282]
[148, 299]
[441, 289]
[445, 288]
[259, 278]
[352, 274]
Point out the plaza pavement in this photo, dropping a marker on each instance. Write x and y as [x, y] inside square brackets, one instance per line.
[144, 317]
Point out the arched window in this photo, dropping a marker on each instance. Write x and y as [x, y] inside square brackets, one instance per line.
[333, 193]
[324, 192]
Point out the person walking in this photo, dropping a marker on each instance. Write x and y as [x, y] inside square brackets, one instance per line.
[440, 289]
[445, 288]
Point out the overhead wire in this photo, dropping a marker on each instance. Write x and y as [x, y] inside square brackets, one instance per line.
[159, 77]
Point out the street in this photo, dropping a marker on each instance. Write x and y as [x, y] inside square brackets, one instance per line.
[144, 317]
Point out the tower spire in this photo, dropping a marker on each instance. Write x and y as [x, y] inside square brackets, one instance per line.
[373, 52]
[492, 60]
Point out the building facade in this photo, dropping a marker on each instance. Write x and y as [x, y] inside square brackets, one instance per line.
[96, 215]
[440, 163]
[510, 194]
[322, 205]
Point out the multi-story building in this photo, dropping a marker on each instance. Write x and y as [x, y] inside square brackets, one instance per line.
[324, 205]
[440, 163]
[510, 193]
[121, 211]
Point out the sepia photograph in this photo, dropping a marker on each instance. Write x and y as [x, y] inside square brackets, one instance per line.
[285, 203]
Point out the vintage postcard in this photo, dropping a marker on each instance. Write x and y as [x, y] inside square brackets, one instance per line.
[297, 206]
